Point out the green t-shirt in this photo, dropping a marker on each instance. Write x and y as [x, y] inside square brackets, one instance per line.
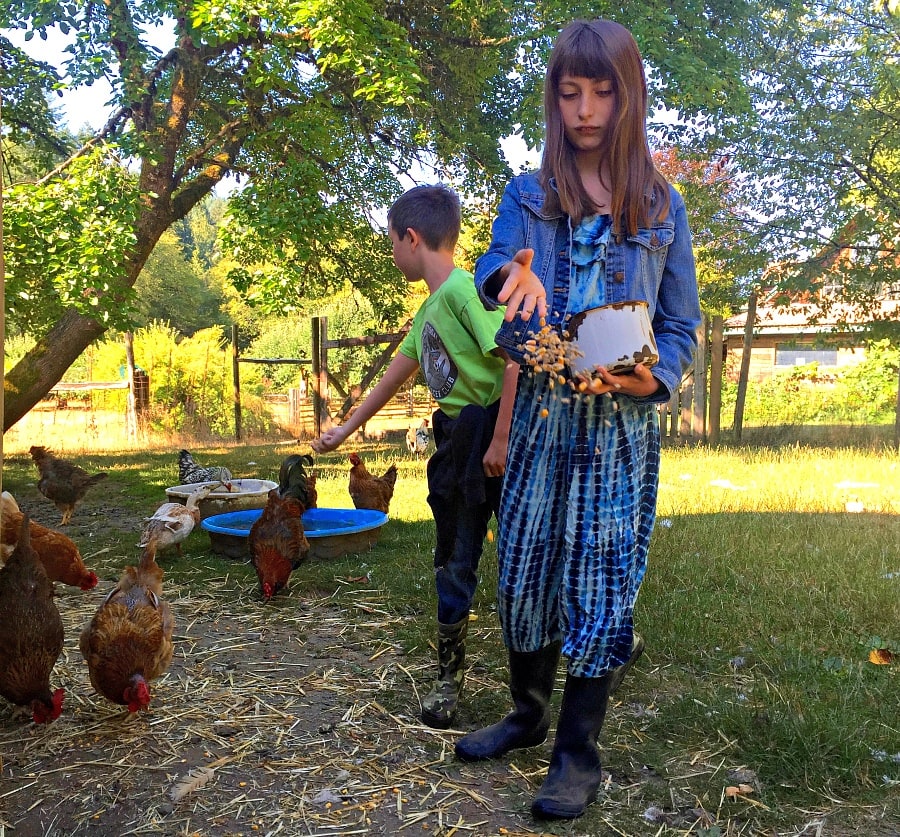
[452, 337]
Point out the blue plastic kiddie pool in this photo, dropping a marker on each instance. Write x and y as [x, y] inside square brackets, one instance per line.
[330, 532]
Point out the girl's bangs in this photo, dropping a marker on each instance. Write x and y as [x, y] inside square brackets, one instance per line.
[585, 59]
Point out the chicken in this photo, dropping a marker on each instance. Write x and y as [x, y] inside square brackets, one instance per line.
[62, 481]
[417, 439]
[295, 481]
[31, 632]
[368, 492]
[190, 472]
[278, 544]
[57, 553]
[128, 642]
[171, 523]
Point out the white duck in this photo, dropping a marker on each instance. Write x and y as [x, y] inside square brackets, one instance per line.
[173, 522]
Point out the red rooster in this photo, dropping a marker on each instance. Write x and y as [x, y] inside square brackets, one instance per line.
[278, 544]
[31, 632]
[129, 641]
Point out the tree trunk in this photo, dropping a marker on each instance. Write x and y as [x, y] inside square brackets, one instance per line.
[167, 196]
[2, 298]
[33, 376]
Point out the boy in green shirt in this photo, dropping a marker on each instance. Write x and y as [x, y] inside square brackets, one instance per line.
[452, 341]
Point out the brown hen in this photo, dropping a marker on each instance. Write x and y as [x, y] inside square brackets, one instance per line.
[31, 632]
[128, 643]
[278, 544]
[368, 492]
[58, 553]
[62, 482]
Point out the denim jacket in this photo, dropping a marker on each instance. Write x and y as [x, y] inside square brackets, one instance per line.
[656, 265]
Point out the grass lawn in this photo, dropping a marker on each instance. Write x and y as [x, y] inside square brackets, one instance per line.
[756, 709]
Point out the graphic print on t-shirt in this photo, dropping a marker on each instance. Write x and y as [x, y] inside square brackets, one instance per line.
[437, 366]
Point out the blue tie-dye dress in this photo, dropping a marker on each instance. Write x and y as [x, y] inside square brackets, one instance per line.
[579, 500]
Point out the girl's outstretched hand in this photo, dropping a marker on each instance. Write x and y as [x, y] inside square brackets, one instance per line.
[639, 382]
[522, 291]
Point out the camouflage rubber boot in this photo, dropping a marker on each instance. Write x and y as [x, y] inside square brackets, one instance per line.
[439, 705]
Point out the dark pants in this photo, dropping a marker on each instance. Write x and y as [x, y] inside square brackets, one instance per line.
[462, 500]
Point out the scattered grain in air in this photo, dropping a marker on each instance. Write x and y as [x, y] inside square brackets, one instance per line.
[327, 804]
[545, 412]
[242, 784]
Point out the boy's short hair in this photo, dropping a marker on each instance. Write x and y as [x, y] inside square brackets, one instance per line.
[432, 211]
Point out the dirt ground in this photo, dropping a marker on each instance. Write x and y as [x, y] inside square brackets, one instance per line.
[299, 717]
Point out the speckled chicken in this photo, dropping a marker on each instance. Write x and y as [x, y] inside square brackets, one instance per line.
[128, 642]
[278, 544]
[56, 552]
[171, 523]
[31, 632]
[368, 492]
[190, 472]
[61, 481]
[418, 438]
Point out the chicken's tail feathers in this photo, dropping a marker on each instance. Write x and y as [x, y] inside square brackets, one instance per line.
[97, 478]
[23, 543]
[390, 475]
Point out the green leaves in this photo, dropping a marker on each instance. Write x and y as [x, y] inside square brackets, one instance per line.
[66, 241]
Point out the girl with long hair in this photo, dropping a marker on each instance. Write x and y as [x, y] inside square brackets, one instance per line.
[596, 225]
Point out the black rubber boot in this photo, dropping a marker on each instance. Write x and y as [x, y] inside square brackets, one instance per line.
[531, 677]
[574, 775]
[439, 705]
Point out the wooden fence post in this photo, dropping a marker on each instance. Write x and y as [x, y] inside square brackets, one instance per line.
[319, 373]
[716, 361]
[897, 416]
[684, 418]
[745, 367]
[698, 417]
[236, 381]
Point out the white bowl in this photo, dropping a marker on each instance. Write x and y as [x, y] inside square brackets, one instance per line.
[244, 494]
[617, 336]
